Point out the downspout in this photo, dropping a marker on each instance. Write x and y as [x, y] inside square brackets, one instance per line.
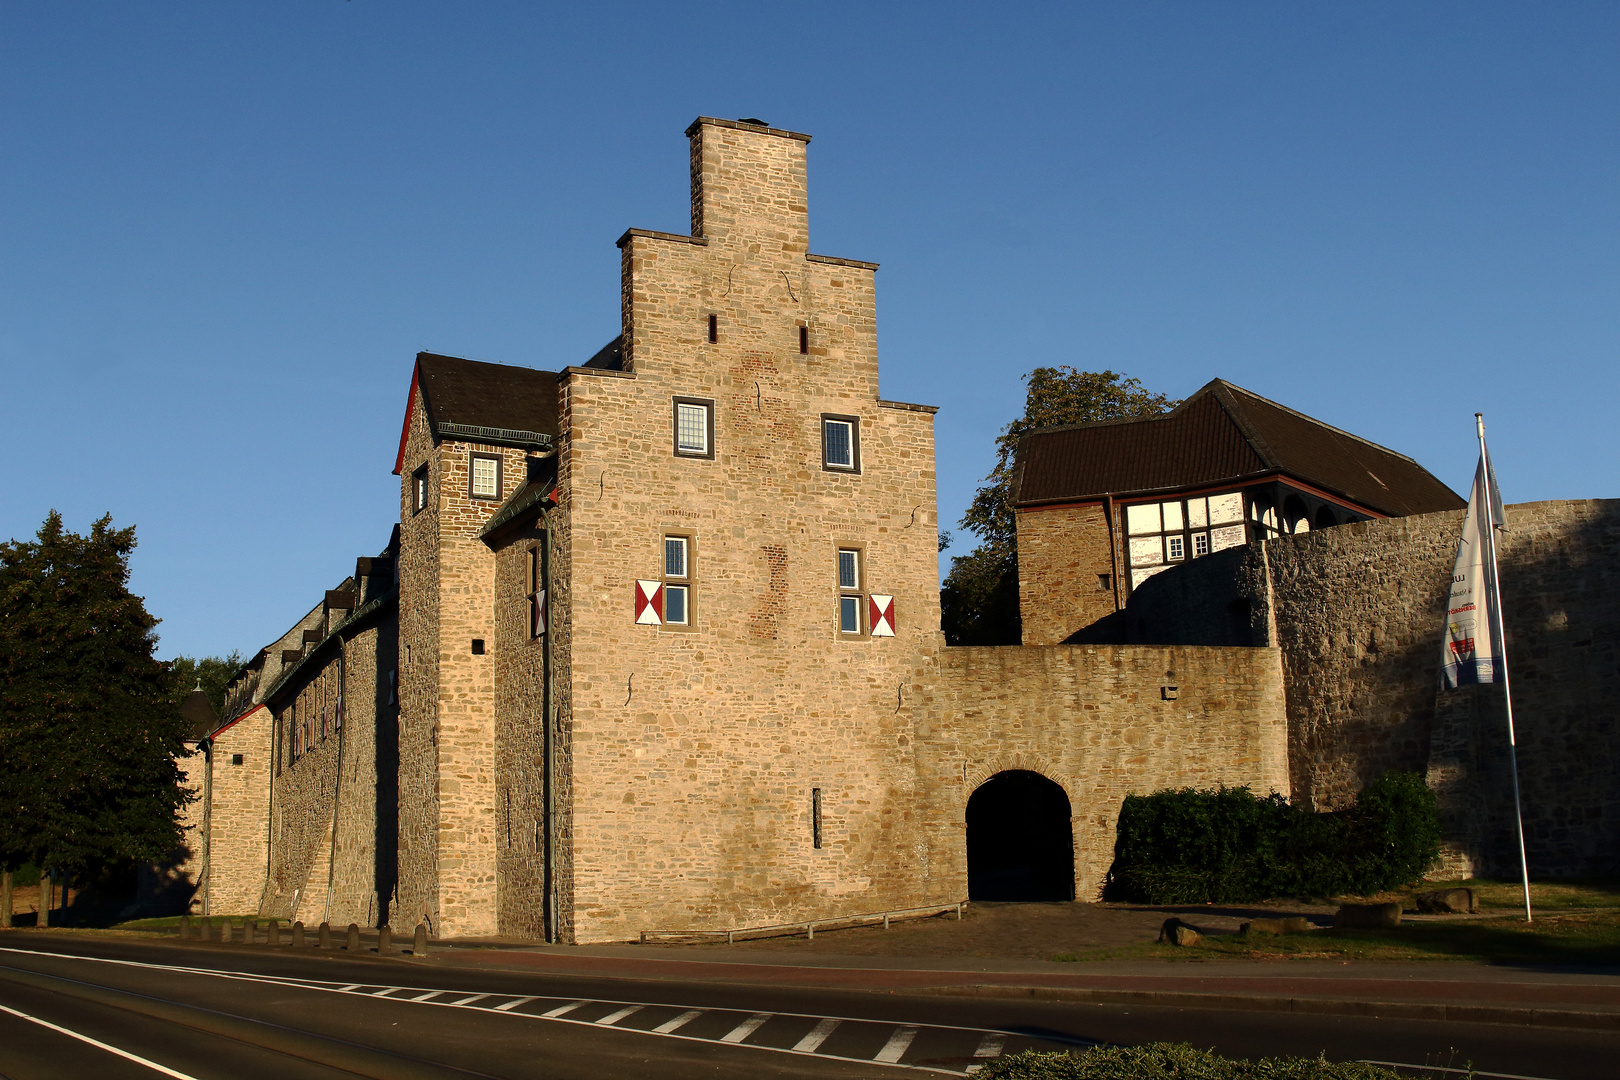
[549, 742]
[1113, 555]
[208, 820]
[337, 786]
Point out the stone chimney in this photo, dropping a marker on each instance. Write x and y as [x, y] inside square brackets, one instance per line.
[748, 186]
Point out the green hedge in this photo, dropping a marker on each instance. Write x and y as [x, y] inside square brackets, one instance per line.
[1230, 845]
[1171, 1061]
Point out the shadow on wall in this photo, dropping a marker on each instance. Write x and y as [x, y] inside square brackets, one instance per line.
[1020, 839]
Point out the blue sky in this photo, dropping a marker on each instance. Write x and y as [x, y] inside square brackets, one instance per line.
[226, 229]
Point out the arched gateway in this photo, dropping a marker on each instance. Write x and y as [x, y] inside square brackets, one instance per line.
[1020, 842]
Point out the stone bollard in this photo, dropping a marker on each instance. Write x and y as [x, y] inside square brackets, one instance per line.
[250, 931]
[353, 943]
[385, 940]
[272, 933]
[1368, 916]
[323, 936]
[419, 940]
[298, 935]
[205, 930]
[185, 928]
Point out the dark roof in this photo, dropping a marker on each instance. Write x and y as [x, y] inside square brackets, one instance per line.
[472, 393]
[197, 711]
[541, 483]
[609, 357]
[1222, 434]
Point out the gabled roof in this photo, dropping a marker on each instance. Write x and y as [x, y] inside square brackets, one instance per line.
[475, 401]
[1222, 434]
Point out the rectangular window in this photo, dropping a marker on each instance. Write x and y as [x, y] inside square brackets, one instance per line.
[486, 476]
[841, 443]
[236, 759]
[849, 569]
[849, 588]
[678, 573]
[714, 329]
[419, 490]
[849, 614]
[804, 347]
[694, 428]
[675, 556]
[1175, 547]
[1200, 544]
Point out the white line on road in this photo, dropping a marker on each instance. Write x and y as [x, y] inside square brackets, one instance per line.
[746, 1028]
[514, 1003]
[468, 1000]
[427, 996]
[679, 1022]
[614, 1017]
[99, 1045]
[561, 1009]
[818, 1035]
[384, 992]
[897, 1045]
[990, 1046]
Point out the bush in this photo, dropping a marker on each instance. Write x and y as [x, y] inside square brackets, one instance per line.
[1229, 845]
[1170, 1061]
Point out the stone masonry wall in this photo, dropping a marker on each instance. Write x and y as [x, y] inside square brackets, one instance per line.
[1062, 552]
[239, 822]
[1096, 720]
[694, 751]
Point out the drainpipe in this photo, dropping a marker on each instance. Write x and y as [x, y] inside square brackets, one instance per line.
[337, 785]
[1113, 556]
[550, 753]
[207, 883]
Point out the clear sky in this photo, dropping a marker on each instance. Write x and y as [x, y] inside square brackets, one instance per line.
[226, 229]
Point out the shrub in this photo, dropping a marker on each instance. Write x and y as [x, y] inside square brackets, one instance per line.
[1170, 1061]
[1229, 845]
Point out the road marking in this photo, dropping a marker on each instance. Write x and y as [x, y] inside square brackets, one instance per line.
[384, 992]
[990, 1046]
[514, 1003]
[897, 1045]
[561, 1009]
[468, 1000]
[351, 986]
[679, 1022]
[99, 1045]
[427, 996]
[614, 1017]
[817, 1036]
[746, 1028]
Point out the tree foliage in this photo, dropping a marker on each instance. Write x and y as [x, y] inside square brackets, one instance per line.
[979, 600]
[213, 673]
[89, 722]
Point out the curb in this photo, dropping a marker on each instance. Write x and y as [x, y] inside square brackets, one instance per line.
[1409, 1010]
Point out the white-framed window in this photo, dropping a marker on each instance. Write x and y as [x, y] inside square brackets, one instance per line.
[484, 476]
[1200, 544]
[840, 443]
[849, 591]
[694, 428]
[677, 580]
[1175, 548]
[419, 490]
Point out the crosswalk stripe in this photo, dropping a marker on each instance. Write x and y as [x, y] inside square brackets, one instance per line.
[818, 1035]
[746, 1028]
[346, 989]
[469, 999]
[384, 992]
[614, 1017]
[897, 1045]
[559, 1010]
[514, 1003]
[428, 995]
[990, 1046]
[679, 1022]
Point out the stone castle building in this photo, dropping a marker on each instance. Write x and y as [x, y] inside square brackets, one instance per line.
[656, 643]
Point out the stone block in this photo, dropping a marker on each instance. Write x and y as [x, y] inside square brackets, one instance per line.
[1446, 902]
[1367, 916]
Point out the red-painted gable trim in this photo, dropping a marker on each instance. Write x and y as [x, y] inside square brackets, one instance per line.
[226, 727]
[405, 428]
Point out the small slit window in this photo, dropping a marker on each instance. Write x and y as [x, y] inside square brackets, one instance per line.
[804, 339]
[714, 329]
[419, 490]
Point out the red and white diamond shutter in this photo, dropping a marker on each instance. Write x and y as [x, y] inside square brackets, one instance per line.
[537, 614]
[650, 603]
[882, 621]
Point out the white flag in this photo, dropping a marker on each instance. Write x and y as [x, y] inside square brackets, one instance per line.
[1472, 653]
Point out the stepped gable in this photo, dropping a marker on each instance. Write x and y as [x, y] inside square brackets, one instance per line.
[1223, 434]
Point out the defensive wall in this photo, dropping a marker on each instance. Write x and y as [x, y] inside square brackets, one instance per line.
[1357, 613]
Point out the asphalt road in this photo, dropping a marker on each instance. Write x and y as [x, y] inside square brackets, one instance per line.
[87, 1007]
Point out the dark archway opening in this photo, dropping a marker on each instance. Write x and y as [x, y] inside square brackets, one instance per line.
[1325, 519]
[1020, 842]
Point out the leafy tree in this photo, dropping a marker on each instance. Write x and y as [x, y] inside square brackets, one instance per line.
[213, 672]
[979, 600]
[90, 731]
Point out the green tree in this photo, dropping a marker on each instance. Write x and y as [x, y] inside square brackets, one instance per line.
[979, 600]
[90, 732]
[213, 672]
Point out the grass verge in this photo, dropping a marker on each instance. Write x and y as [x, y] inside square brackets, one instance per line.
[1171, 1061]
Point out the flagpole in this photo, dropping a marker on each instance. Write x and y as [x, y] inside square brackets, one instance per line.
[1501, 636]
